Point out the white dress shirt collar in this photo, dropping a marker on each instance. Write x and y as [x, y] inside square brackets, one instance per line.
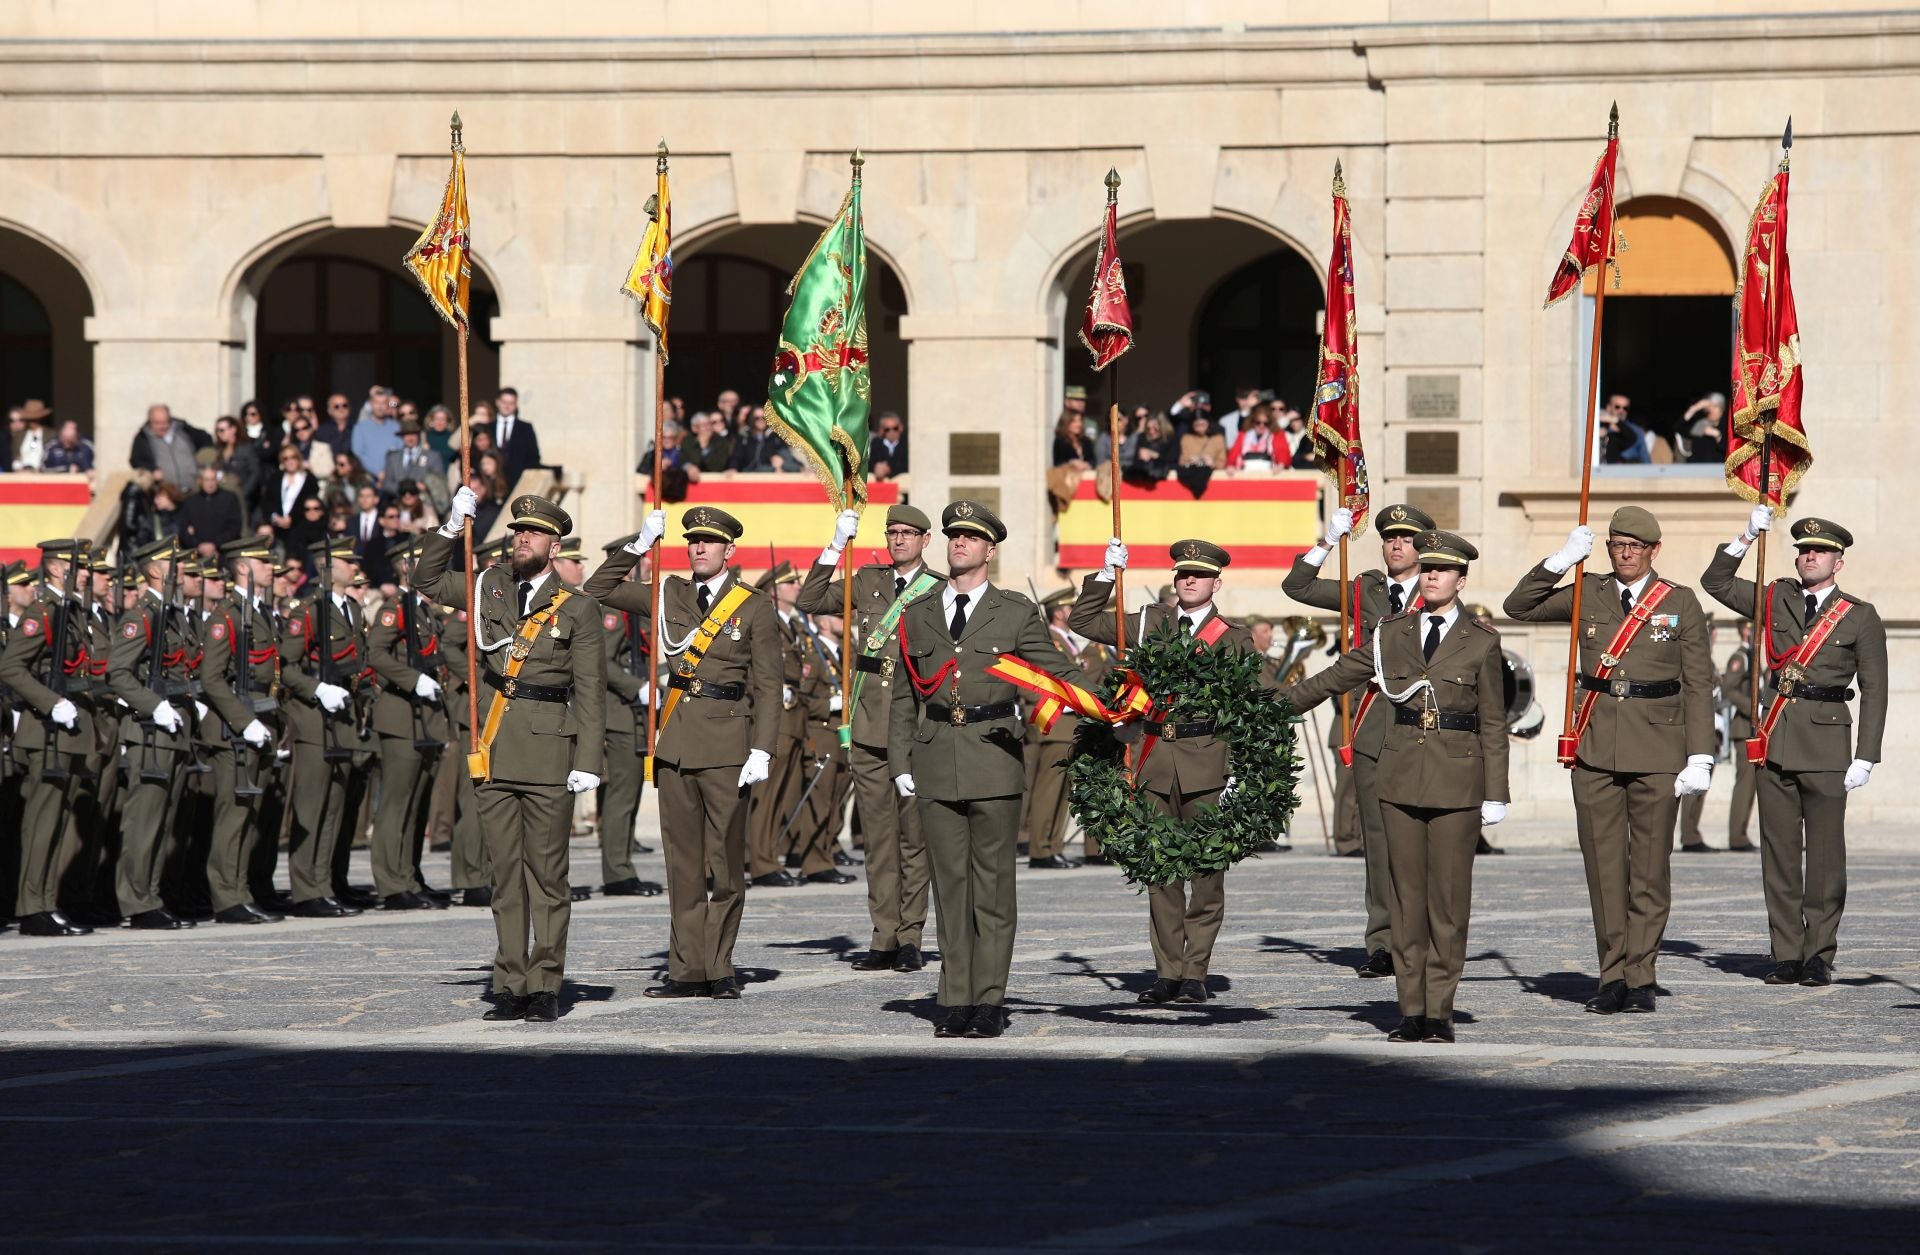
[949, 595]
[1638, 587]
[1196, 616]
[1447, 622]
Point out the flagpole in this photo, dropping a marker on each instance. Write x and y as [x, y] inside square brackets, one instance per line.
[1346, 586]
[659, 500]
[1567, 745]
[1761, 596]
[1113, 435]
[466, 532]
[846, 576]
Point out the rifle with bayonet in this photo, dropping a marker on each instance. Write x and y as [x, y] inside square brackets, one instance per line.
[151, 771]
[329, 671]
[245, 783]
[50, 768]
[412, 606]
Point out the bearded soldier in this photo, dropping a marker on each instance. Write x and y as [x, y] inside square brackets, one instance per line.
[1819, 641]
[1643, 736]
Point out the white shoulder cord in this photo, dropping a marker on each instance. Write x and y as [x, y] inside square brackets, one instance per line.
[1380, 679]
[473, 620]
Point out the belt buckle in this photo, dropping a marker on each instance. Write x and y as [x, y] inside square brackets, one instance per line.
[886, 668]
[1620, 687]
[1169, 731]
[694, 686]
[957, 715]
[1429, 720]
[511, 687]
[1609, 661]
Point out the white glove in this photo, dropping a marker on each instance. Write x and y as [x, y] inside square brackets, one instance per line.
[1116, 559]
[1579, 545]
[1340, 525]
[332, 698]
[1695, 777]
[256, 734]
[1857, 774]
[66, 714]
[833, 703]
[650, 531]
[582, 782]
[465, 506]
[1761, 520]
[754, 770]
[428, 687]
[1226, 792]
[845, 528]
[166, 718]
[903, 785]
[1491, 813]
[199, 710]
[786, 694]
[645, 697]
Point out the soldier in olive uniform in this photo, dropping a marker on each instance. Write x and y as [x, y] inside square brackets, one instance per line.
[1374, 596]
[240, 687]
[544, 669]
[898, 875]
[954, 743]
[470, 873]
[714, 745]
[19, 596]
[1647, 742]
[410, 718]
[1443, 773]
[54, 737]
[816, 832]
[1187, 770]
[772, 802]
[629, 690]
[1046, 818]
[319, 706]
[1812, 761]
[1737, 689]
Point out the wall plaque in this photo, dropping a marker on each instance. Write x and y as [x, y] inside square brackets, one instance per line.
[1433, 396]
[973, 453]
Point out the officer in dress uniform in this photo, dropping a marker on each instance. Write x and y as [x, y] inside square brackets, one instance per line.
[898, 875]
[1820, 641]
[1045, 823]
[768, 848]
[86, 879]
[628, 693]
[954, 743]
[410, 718]
[1646, 738]
[320, 708]
[1442, 774]
[722, 643]
[241, 688]
[1374, 596]
[543, 666]
[54, 737]
[1187, 770]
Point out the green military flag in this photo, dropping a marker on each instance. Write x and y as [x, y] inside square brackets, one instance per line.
[818, 396]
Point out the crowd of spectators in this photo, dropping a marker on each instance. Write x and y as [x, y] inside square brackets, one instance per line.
[1698, 435]
[730, 438]
[1187, 441]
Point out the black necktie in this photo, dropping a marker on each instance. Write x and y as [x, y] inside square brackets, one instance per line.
[1813, 609]
[899, 585]
[1186, 626]
[1626, 601]
[704, 598]
[1433, 635]
[959, 623]
[1396, 600]
[526, 598]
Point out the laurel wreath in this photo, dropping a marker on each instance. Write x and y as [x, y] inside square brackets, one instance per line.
[1258, 726]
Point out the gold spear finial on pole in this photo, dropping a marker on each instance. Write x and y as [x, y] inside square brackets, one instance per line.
[1113, 185]
[660, 158]
[856, 161]
[458, 145]
[1786, 144]
[1613, 121]
[1339, 179]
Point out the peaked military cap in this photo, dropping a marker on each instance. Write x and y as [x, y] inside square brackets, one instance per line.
[1438, 548]
[703, 522]
[1058, 597]
[909, 516]
[64, 548]
[531, 513]
[339, 547]
[99, 561]
[160, 550]
[258, 548]
[783, 573]
[19, 573]
[620, 543]
[1821, 534]
[1636, 523]
[1075, 392]
[1403, 520]
[1198, 557]
[570, 548]
[972, 518]
[406, 551]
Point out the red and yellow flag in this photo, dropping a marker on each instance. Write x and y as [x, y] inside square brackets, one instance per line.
[1107, 329]
[1767, 379]
[1336, 397]
[438, 259]
[1592, 243]
[650, 278]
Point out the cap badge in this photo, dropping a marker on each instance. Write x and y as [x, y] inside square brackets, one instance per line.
[964, 510]
[1398, 514]
[1813, 527]
[1190, 550]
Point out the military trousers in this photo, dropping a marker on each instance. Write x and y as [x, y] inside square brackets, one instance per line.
[1803, 861]
[46, 816]
[399, 818]
[270, 816]
[1691, 808]
[1740, 814]
[526, 827]
[620, 803]
[236, 828]
[1046, 822]
[1348, 837]
[825, 774]
[1625, 821]
[971, 850]
[1183, 918]
[155, 781]
[703, 830]
[1373, 836]
[1432, 853]
[455, 811]
[898, 876]
[770, 803]
[319, 790]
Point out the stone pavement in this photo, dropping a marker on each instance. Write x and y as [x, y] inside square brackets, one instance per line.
[325, 1084]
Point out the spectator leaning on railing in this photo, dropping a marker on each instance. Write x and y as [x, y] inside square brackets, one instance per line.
[70, 451]
[1202, 452]
[1258, 447]
[30, 436]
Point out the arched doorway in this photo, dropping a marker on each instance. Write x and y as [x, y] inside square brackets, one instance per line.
[338, 313]
[44, 353]
[729, 298]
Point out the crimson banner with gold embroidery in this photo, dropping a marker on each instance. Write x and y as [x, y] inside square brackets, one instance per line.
[1107, 327]
[1767, 379]
[1592, 243]
[1336, 395]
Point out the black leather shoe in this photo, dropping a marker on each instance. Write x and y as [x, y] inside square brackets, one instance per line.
[580, 893]
[1378, 964]
[1439, 1031]
[322, 908]
[628, 888]
[275, 900]
[1053, 863]
[1640, 1000]
[543, 1008]
[1355, 852]
[774, 880]
[1815, 973]
[832, 876]
[876, 961]
[1785, 974]
[408, 901]
[679, 989]
[1413, 1028]
[1097, 860]
[1161, 992]
[244, 913]
[843, 859]
[508, 1007]
[987, 1022]
[909, 959]
[954, 1022]
[479, 895]
[1611, 998]
[1191, 991]
[51, 924]
[1484, 846]
[727, 987]
[1745, 847]
[1699, 848]
[358, 899]
[160, 918]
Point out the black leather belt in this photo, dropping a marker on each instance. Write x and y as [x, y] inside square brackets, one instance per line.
[515, 688]
[1630, 688]
[873, 664]
[1451, 720]
[694, 686]
[1180, 731]
[1820, 693]
[961, 716]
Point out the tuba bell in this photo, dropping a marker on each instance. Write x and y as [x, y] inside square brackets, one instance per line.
[1295, 641]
